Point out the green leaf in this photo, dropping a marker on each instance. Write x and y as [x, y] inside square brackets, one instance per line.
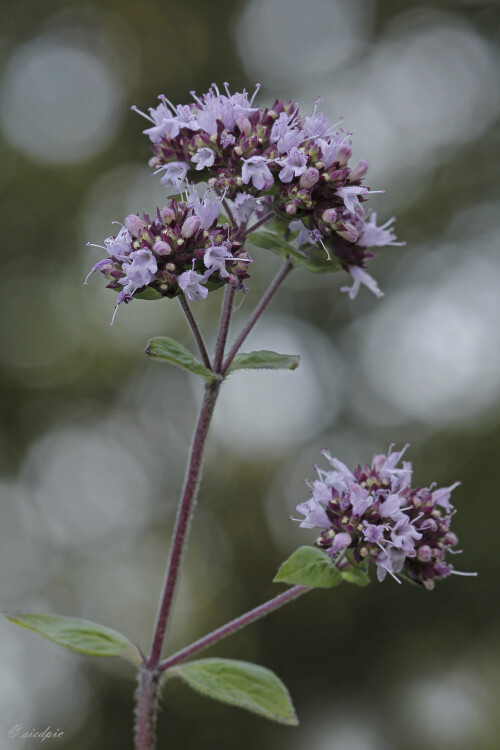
[313, 257]
[166, 349]
[355, 575]
[148, 293]
[265, 360]
[79, 635]
[309, 566]
[241, 684]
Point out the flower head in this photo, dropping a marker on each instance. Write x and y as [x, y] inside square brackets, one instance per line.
[374, 515]
[300, 162]
[174, 252]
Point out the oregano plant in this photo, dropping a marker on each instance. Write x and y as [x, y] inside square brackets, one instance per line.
[271, 178]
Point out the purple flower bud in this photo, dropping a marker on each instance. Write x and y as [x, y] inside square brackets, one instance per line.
[190, 227]
[167, 215]
[424, 553]
[359, 171]
[329, 216]
[348, 231]
[341, 541]
[162, 248]
[244, 125]
[309, 178]
[134, 224]
[343, 154]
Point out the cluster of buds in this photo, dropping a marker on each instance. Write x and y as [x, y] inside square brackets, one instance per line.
[182, 249]
[374, 515]
[300, 162]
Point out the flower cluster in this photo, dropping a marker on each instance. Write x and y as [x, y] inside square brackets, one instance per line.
[300, 162]
[374, 515]
[182, 249]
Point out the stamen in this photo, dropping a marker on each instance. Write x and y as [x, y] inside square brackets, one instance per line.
[196, 98]
[257, 89]
[140, 112]
[169, 104]
[461, 573]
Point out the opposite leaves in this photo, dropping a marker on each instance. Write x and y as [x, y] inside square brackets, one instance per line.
[241, 684]
[166, 349]
[79, 635]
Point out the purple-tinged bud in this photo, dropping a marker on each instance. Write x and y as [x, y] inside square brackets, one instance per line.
[359, 171]
[291, 209]
[343, 154]
[190, 227]
[424, 553]
[341, 541]
[244, 125]
[134, 224]
[348, 231]
[329, 216]
[162, 248]
[167, 215]
[309, 178]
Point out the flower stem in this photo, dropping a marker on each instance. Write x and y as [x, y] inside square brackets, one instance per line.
[259, 223]
[196, 331]
[230, 215]
[146, 698]
[227, 309]
[231, 627]
[283, 273]
[182, 522]
[145, 712]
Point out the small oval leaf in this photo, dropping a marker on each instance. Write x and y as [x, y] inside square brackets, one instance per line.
[355, 575]
[309, 566]
[166, 349]
[241, 684]
[265, 360]
[79, 635]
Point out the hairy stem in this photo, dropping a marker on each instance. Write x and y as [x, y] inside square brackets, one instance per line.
[182, 522]
[227, 309]
[145, 713]
[196, 331]
[283, 273]
[231, 627]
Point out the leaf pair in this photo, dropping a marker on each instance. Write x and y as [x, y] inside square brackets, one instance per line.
[238, 683]
[165, 349]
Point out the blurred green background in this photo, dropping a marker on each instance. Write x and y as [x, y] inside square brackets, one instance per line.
[94, 436]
